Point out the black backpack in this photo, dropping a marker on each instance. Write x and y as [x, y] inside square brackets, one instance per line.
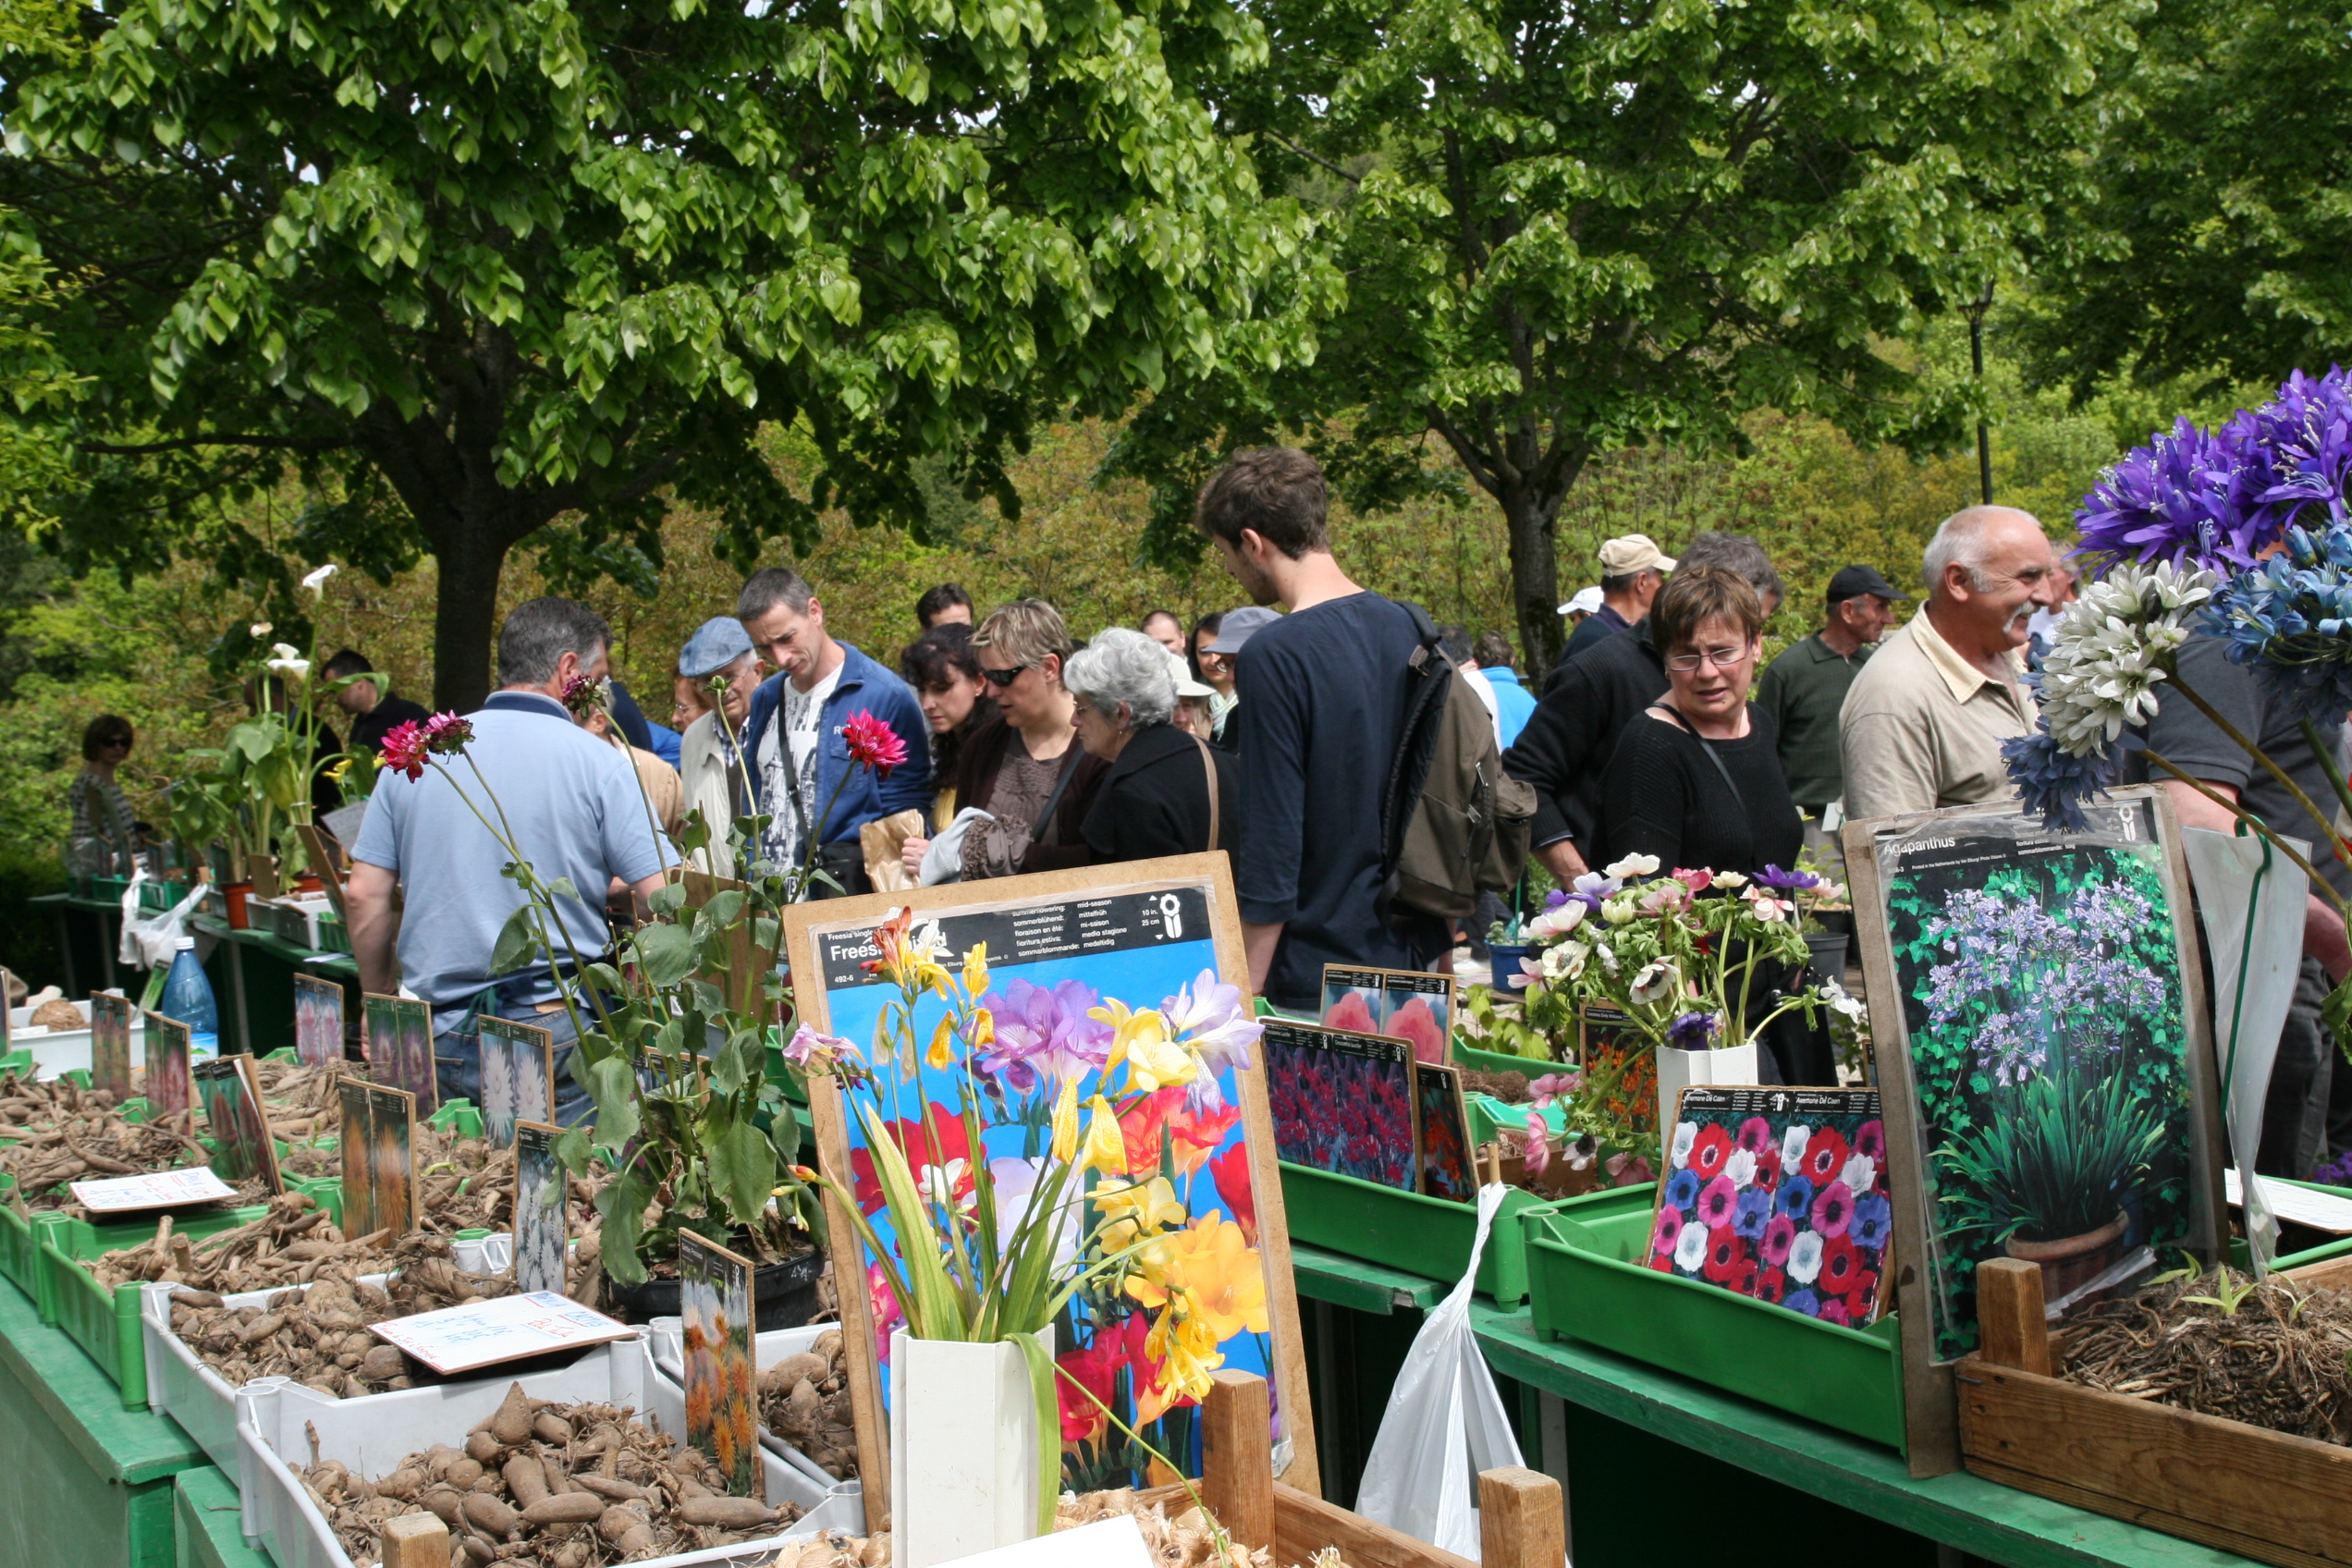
[1453, 824]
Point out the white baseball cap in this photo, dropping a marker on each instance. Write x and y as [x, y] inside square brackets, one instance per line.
[1584, 599]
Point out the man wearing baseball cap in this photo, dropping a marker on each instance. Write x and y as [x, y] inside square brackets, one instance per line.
[1633, 568]
[709, 766]
[1804, 687]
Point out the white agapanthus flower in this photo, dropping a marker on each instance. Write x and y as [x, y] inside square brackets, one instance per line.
[2111, 649]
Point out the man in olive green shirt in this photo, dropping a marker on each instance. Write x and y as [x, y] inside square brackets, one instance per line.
[1805, 687]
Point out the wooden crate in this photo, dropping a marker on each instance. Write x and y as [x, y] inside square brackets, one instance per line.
[2262, 1494]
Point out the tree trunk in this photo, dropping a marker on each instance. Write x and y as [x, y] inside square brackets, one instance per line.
[465, 614]
[1534, 577]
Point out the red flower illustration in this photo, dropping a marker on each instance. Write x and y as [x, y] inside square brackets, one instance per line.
[873, 743]
[1726, 1253]
[1825, 1155]
[1417, 1026]
[1195, 1135]
[1096, 1368]
[403, 750]
[1707, 1156]
[1353, 1013]
[1231, 1173]
[1863, 1297]
[1842, 1265]
[1770, 1285]
[915, 1142]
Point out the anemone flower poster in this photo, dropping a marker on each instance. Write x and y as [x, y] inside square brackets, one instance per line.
[1076, 1033]
[1780, 1194]
[2042, 1050]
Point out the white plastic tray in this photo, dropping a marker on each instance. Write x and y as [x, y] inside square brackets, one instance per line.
[667, 1337]
[56, 1052]
[279, 1425]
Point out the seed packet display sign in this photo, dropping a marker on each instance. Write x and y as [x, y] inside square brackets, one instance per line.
[1343, 1102]
[110, 1044]
[399, 1047]
[170, 1088]
[518, 1077]
[230, 1093]
[540, 1216]
[715, 1306]
[1441, 1133]
[1059, 944]
[1780, 1194]
[379, 1141]
[1401, 1004]
[318, 1021]
[2043, 1049]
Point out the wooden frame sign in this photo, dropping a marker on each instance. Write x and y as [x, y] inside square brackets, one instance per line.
[1059, 945]
[2045, 1057]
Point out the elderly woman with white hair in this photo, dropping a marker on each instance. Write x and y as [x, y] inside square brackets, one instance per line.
[1168, 792]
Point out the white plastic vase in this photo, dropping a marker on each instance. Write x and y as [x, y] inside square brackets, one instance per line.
[963, 1450]
[1679, 1069]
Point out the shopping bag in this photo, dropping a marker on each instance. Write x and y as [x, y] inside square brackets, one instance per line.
[1444, 1422]
[148, 941]
[881, 841]
[2251, 899]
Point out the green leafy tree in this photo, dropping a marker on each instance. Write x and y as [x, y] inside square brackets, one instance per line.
[1569, 228]
[2211, 237]
[527, 270]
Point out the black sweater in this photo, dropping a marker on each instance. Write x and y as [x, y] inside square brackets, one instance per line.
[1568, 741]
[1661, 796]
[1155, 800]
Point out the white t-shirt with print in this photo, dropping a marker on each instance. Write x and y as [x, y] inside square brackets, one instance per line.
[796, 720]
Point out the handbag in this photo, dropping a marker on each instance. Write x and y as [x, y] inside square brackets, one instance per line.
[1208, 765]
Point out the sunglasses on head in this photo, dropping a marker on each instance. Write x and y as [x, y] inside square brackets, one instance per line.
[1003, 677]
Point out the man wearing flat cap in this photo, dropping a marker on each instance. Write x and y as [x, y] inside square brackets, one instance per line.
[709, 764]
[1804, 687]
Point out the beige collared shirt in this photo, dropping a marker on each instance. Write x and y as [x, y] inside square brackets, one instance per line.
[1922, 726]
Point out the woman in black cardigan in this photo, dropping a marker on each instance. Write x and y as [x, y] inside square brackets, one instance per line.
[1167, 793]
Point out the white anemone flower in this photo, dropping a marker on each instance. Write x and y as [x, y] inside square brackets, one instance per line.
[1633, 865]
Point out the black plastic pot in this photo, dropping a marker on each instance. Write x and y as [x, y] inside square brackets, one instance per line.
[783, 1294]
[1828, 961]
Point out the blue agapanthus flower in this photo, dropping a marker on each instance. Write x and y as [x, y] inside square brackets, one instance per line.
[2054, 784]
[2290, 618]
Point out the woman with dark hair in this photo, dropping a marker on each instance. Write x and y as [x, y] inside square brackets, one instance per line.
[104, 837]
[1214, 671]
[945, 676]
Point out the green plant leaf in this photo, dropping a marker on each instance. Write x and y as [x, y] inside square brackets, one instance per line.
[621, 1203]
[613, 1082]
[518, 941]
[665, 954]
[742, 1169]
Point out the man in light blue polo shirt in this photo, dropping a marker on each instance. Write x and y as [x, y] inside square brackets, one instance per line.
[576, 812]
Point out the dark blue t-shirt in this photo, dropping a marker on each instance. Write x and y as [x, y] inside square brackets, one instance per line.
[1322, 704]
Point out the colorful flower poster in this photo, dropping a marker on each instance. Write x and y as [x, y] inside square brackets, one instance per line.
[318, 1021]
[378, 1145]
[1105, 1010]
[169, 1087]
[722, 1416]
[399, 1047]
[541, 1218]
[1441, 1133]
[2045, 1054]
[518, 1077]
[1401, 1004]
[1780, 1194]
[1343, 1102]
[110, 1044]
[230, 1093]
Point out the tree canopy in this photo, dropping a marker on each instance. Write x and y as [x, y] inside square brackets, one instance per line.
[2210, 237]
[527, 270]
[1569, 228]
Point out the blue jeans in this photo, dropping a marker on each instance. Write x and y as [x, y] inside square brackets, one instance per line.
[457, 1058]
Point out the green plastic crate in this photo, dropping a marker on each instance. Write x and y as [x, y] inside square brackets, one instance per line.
[1586, 1281]
[334, 937]
[21, 1245]
[106, 1323]
[1426, 1236]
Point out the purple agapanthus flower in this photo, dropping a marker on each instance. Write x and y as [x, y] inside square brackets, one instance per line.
[2291, 619]
[1043, 1035]
[2054, 784]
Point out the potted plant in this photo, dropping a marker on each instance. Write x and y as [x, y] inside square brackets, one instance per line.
[1688, 960]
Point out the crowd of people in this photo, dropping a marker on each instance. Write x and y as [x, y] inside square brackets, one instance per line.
[1271, 732]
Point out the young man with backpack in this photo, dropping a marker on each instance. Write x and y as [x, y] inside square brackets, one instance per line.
[1349, 743]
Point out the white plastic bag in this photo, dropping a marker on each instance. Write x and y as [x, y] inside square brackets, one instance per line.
[2251, 899]
[1444, 1422]
[149, 940]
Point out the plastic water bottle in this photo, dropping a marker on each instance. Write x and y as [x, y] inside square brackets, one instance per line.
[187, 999]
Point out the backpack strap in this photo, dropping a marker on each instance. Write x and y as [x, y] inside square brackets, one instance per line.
[1208, 766]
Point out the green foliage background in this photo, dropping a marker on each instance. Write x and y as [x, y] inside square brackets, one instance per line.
[1956, 1097]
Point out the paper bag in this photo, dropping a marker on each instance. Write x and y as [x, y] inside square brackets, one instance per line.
[881, 840]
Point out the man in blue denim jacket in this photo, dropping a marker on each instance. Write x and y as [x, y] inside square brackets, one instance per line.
[801, 766]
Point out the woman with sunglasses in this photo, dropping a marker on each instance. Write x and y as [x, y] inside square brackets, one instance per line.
[1697, 780]
[1022, 766]
[105, 839]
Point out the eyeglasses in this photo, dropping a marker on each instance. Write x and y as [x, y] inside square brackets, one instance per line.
[117, 745]
[1722, 659]
[1001, 678]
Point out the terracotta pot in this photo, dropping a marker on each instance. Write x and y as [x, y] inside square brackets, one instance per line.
[233, 894]
[2069, 1264]
[308, 884]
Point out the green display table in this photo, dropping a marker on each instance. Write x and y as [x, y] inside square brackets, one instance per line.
[83, 1481]
[1647, 1457]
[257, 1008]
[205, 1531]
[89, 930]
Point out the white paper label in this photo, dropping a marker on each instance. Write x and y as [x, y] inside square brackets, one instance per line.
[1107, 1543]
[161, 1189]
[2321, 1211]
[457, 1339]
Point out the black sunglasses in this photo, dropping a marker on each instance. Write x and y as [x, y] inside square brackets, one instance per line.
[1000, 678]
